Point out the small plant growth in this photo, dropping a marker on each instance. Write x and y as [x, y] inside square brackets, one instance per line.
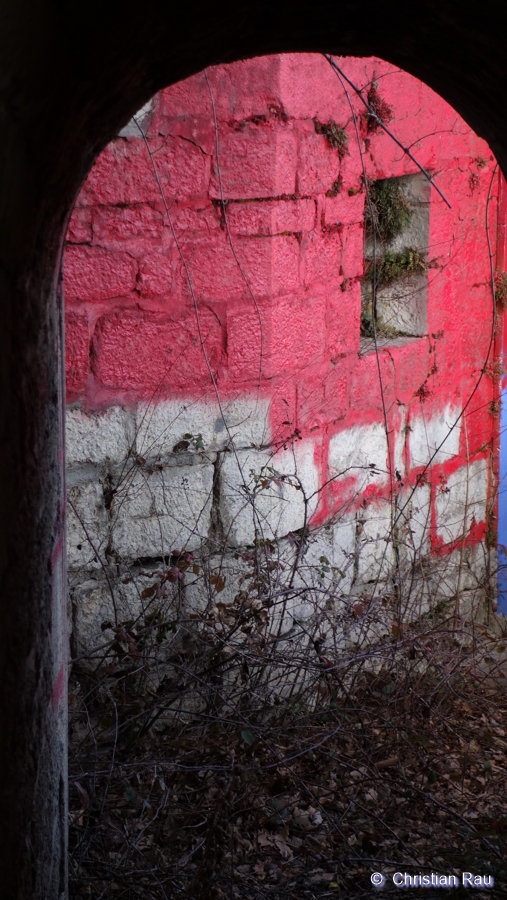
[336, 187]
[380, 109]
[336, 136]
[501, 288]
[395, 265]
[388, 212]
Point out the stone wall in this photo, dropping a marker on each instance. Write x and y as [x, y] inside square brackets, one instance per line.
[220, 392]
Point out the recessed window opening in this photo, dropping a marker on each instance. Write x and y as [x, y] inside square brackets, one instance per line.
[396, 260]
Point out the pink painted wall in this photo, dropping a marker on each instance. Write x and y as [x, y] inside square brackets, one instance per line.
[288, 327]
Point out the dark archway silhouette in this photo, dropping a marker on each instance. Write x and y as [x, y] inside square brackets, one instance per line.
[70, 77]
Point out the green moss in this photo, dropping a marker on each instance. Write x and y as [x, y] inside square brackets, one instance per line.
[388, 212]
[336, 135]
[393, 266]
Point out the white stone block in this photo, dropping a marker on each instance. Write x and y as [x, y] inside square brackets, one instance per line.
[434, 438]
[89, 502]
[98, 437]
[360, 452]
[162, 511]
[375, 544]
[344, 550]
[398, 439]
[336, 544]
[462, 499]
[249, 513]
[413, 521]
[243, 421]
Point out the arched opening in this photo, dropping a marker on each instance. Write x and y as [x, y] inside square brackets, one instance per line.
[70, 82]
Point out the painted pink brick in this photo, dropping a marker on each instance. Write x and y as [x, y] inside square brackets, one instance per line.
[344, 209]
[121, 174]
[258, 161]
[352, 259]
[318, 164]
[136, 226]
[80, 227]
[248, 336]
[182, 167]
[298, 331]
[241, 90]
[139, 351]
[322, 254]
[271, 217]
[366, 395]
[310, 326]
[156, 273]
[310, 89]
[271, 267]
[76, 352]
[343, 318]
[92, 273]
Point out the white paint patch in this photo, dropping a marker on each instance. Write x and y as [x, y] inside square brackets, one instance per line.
[375, 546]
[413, 521]
[163, 511]
[361, 452]
[250, 512]
[462, 500]
[98, 437]
[242, 422]
[434, 439]
[89, 502]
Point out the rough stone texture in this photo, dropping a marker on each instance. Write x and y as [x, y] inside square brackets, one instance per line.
[168, 509]
[375, 546]
[261, 304]
[413, 522]
[98, 438]
[360, 453]
[431, 438]
[461, 499]
[249, 511]
[244, 421]
[88, 500]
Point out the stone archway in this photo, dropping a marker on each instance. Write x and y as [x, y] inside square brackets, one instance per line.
[69, 82]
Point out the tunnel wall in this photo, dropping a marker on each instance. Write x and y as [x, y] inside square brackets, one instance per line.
[214, 337]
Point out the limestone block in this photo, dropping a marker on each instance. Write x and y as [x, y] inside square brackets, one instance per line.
[360, 452]
[462, 500]
[429, 433]
[336, 543]
[397, 444]
[161, 511]
[375, 545]
[92, 605]
[243, 420]
[250, 512]
[98, 437]
[413, 522]
[89, 502]
[344, 550]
